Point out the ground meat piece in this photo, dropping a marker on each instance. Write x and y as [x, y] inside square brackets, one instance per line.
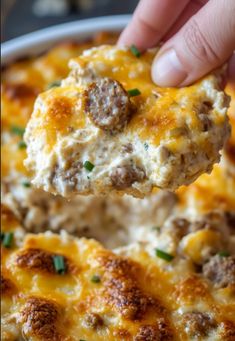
[124, 176]
[127, 148]
[159, 332]
[178, 227]
[93, 320]
[220, 270]
[40, 317]
[198, 324]
[108, 105]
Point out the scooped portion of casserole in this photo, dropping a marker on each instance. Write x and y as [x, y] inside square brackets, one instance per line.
[108, 128]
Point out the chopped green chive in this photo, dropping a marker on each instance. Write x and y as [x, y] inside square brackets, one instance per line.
[95, 279]
[26, 184]
[7, 239]
[2, 235]
[156, 228]
[22, 145]
[82, 340]
[18, 130]
[224, 254]
[135, 51]
[59, 264]
[134, 92]
[146, 146]
[164, 255]
[88, 165]
[54, 84]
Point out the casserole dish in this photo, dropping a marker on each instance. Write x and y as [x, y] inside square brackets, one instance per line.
[170, 273]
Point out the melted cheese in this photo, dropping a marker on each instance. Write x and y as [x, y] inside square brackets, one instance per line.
[184, 129]
[136, 294]
[79, 308]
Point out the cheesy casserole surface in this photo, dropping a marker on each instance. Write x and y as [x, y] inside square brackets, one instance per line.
[119, 268]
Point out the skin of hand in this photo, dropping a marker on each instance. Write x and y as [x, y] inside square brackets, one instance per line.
[198, 36]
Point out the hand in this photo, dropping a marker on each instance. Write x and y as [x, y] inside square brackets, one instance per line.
[198, 37]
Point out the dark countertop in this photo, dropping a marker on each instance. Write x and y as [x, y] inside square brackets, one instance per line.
[19, 18]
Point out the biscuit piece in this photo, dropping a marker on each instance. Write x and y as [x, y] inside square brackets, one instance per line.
[109, 128]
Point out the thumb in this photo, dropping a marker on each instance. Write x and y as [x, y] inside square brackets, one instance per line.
[205, 42]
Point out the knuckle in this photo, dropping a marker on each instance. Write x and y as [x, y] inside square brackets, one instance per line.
[197, 43]
[147, 26]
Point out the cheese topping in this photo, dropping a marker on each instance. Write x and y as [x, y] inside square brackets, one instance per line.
[174, 135]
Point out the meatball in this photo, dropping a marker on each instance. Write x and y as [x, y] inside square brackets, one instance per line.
[220, 270]
[108, 105]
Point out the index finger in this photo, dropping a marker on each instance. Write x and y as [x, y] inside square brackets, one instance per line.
[150, 21]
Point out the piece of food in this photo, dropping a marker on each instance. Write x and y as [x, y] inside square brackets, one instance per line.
[130, 294]
[108, 128]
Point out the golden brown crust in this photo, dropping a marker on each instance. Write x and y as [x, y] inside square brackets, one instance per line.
[228, 331]
[122, 290]
[190, 288]
[40, 317]
[7, 286]
[230, 151]
[59, 113]
[41, 261]
[20, 91]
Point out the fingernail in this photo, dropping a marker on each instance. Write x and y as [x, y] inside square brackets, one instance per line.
[167, 69]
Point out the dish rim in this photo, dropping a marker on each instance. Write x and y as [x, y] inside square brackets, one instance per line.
[34, 43]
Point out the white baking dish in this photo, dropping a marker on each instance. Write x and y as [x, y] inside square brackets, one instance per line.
[37, 42]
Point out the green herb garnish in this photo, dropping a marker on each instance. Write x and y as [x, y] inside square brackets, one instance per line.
[146, 146]
[156, 228]
[88, 165]
[135, 51]
[22, 145]
[134, 92]
[95, 279]
[26, 184]
[7, 239]
[2, 235]
[18, 130]
[54, 84]
[59, 264]
[224, 254]
[164, 255]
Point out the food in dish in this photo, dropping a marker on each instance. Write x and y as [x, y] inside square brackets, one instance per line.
[55, 287]
[109, 129]
[181, 243]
